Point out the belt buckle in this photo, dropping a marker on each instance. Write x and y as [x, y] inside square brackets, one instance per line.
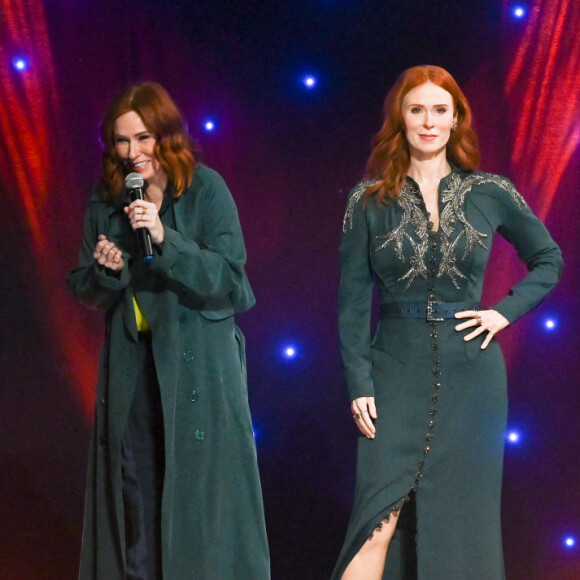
[430, 317]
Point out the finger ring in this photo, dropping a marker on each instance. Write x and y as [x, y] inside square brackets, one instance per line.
[357, 416]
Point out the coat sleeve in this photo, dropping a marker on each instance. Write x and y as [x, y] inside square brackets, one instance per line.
[355, 298]
[535, 247]
[210, 268]
[93, 284]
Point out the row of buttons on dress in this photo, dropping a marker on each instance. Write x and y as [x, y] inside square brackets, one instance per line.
[436, 371]
[436, 361]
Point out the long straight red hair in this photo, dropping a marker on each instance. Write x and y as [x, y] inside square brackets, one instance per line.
[390, 158]
[173, 148]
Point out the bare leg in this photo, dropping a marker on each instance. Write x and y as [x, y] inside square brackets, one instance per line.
[369, 562]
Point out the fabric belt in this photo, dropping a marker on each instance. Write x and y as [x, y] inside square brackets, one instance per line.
[430, 310]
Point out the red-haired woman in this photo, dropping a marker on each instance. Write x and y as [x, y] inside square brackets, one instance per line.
[173, 489]
[429, 391]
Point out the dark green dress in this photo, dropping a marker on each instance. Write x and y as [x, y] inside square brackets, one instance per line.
[441, 401]
[212, 519]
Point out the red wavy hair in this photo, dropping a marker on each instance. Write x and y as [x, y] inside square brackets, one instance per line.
[389, 159]
[174, 149]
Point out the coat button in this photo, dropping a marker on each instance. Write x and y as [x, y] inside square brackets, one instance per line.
[187, 356]
[102, 440]
[194, 396]
[199, 434]
[103, 401]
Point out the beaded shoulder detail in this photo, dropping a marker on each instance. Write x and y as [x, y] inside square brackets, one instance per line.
[503, 183]
[355, 197]
[453, 197]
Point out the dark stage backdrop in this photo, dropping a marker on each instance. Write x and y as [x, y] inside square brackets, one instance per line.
[290, 156]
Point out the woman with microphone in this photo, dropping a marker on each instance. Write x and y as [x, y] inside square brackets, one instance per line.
[173, 489]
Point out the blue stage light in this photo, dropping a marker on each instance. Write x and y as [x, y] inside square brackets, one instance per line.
[20, 64]
[519, 11]
[570, 542]
[209, 125]
[550, 324]
[309, 81]
[289, 352]
[512, 437]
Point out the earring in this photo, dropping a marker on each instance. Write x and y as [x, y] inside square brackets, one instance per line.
[454, 127]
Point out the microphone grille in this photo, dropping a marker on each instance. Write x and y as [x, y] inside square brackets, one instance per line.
[133, 181]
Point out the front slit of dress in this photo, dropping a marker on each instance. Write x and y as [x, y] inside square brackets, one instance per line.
[143, 465]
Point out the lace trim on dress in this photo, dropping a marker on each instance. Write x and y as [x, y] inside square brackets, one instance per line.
[387, 517]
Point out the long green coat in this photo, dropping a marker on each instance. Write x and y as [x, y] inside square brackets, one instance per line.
[212, 512]
[441, 401]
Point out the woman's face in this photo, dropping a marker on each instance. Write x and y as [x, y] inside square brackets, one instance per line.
[135, 145]
[428, 115]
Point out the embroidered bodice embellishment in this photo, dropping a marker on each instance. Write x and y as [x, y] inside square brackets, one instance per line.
[453, 197]
[452, 214]
[352, 201]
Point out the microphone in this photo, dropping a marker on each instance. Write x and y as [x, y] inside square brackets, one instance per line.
[134, 184]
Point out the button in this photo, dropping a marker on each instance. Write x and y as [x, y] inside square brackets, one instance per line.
[188, 356]
[102, 440]
[102, 400]
[194, 397]
[199, 434]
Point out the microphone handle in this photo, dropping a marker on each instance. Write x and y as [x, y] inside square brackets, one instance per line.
[143, 234]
